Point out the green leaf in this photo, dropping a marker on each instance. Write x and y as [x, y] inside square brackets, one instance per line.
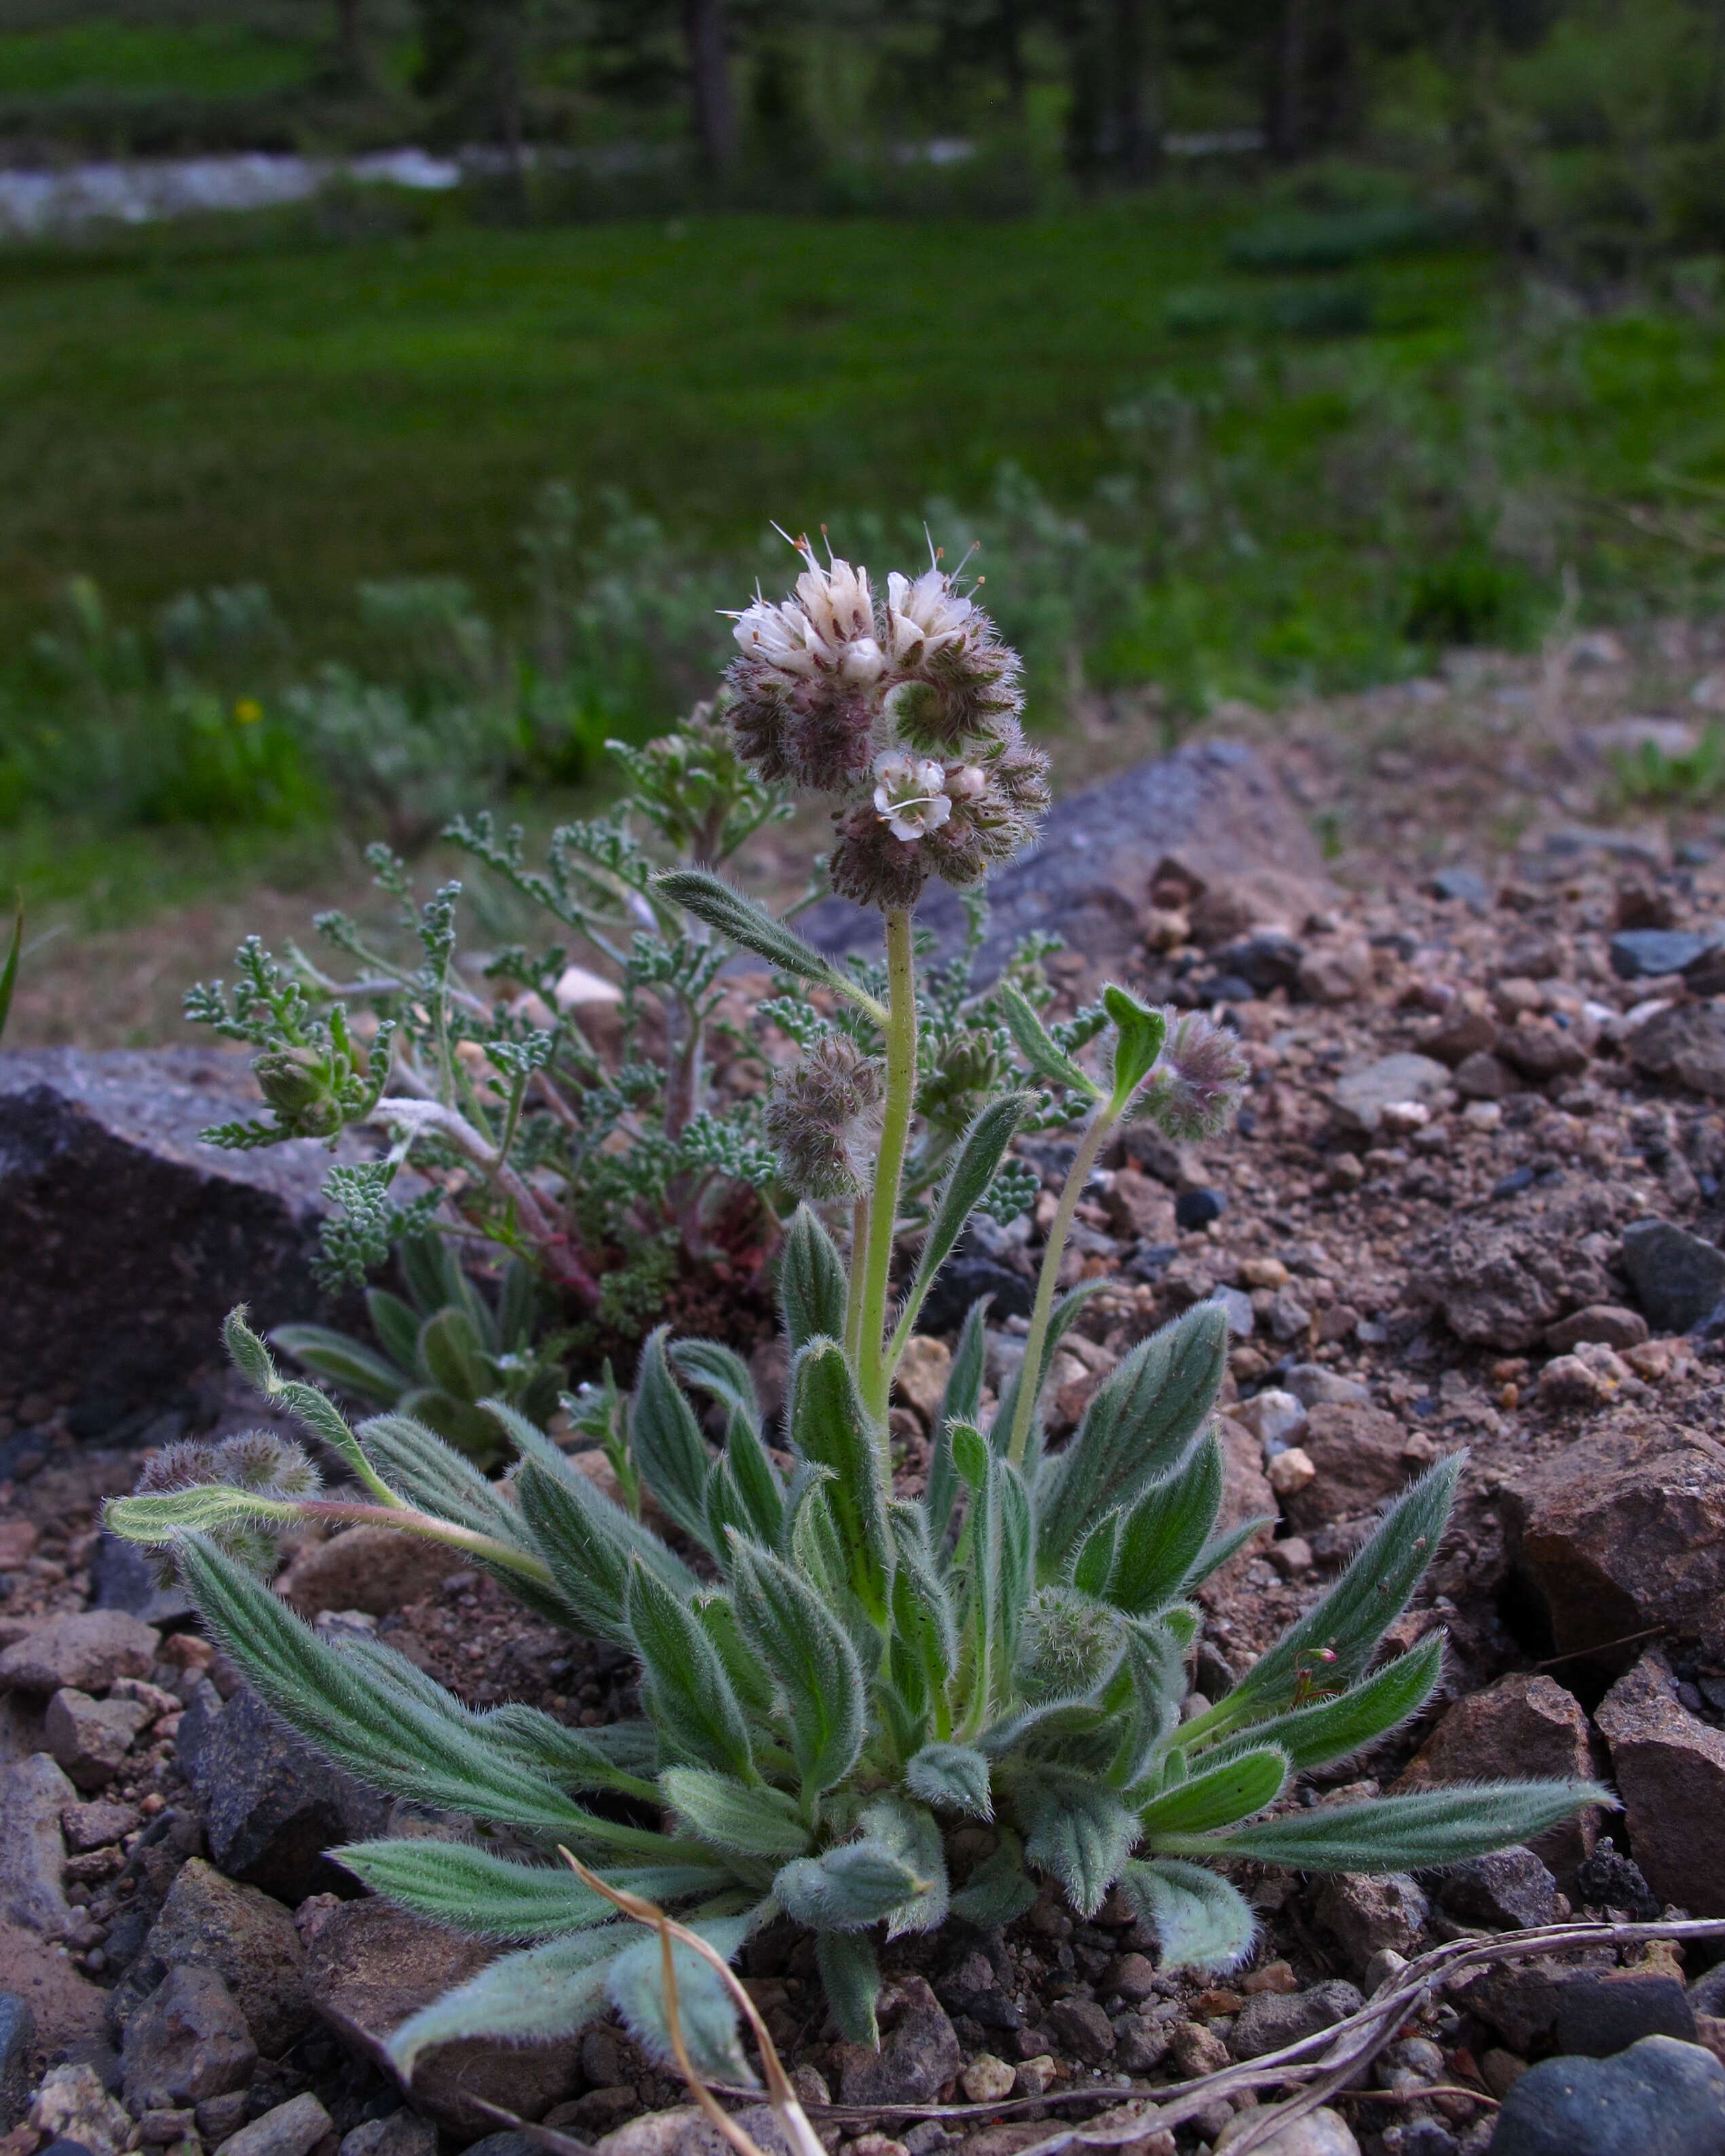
[760, 1493]
[720, 1372]
[315, 1411]
[8, 977]
[1163, 1535]
[666, 1441]
[999, 1889]
[470, 1890]
[960, 1402]
[811, 1662]
[912, 1834]
[1332, 1729]
[451, 1356]
[829, 1426]
[997, 1555]
[752, 1822]
[850, 1976]
[978, 1156]
[1219, 1795]
[1093, 1565]
[850, 1888]
[924, 1643]
[1145, 1696]
[1139, 1423]
[740, 919]
[1078, 1830]
[549, 1992]
[1201, 1921]
[811, 1282]
[707, 2013]
[589, 1543]
[1362, 1604]
[1139, 1035]
[395, 1324]
[1040, 1050]
[1415, 1833]
[688, 1695]
[617, 1755]
[952, 1778]
[1227, 1542]
[349, 1363]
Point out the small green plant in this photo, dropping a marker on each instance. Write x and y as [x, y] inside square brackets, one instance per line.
[603, 1171]
[834, 1674]
[1672, 777]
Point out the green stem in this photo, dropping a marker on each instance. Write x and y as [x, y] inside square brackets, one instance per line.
[1030, 1383]
[875, 1374]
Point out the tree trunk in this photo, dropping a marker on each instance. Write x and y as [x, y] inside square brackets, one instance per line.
[1284, 116]
[1010, 30]
[1137, 138]
[710, 81]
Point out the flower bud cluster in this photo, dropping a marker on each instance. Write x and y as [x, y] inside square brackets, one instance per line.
[256, 1459]
[818, 1114]
[906, 708]
[1199, 1079]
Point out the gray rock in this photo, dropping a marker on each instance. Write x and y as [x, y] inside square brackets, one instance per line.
[293, 2128]
[1685, 1044]
[208, 1921]
[967, 1278]
[17, 2059]
[1501, 1277]
[1213, 807]
[1365, 1913]
[1668, 1766]
[86, 1650]
[917, 2056]
[1658, 2098]
[1587, 2007]
[272, 1806]
[1361, 1097]
[188, 2041]
[1509, 1888]
[120, 1577]
[1319, 2133]
[682, 2132]
[403, 2132]
[1314, 1387]
[1270, 2019]
[72, 2107]
[1678, 1277]
[1639, 953]
[91, 1737]
[187, 1229]
[1466, 884]
[1237, 1308]
[33, 1794]
[1083, 2028]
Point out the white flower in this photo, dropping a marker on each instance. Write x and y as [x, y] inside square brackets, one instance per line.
[964, 781]
[782, 636]
[910, 793]
[837, 599]
[826, 626]
[924, 617]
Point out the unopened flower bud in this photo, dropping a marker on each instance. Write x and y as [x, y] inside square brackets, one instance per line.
[299, 1085]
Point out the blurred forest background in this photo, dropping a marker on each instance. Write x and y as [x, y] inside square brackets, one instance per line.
[1267, 347]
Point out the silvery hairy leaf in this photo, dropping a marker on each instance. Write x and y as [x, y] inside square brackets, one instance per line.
[548, 1992]
[829, 1426]
[849, 1889]
[999, 1889]
[666, 1442]
[1201, 1921]
[952, 1778]
[740, 921]
[1217, 1795]
[1416, 1833]
[960, 1402]
[811, 1282]
[850, 1976]
[813, 1666]
[688, 1695]
[978, 1155]
[470, 1890]
[1164, 1533]
[754, 1822]
[707, 2012]
[1078, 1831]
[589, 1545]
[1039, 1049]
[1331, 1729]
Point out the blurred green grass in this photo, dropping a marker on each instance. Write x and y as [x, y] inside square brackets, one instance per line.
[224, 59]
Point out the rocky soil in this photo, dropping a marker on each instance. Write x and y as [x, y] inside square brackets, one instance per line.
[1476, 1199]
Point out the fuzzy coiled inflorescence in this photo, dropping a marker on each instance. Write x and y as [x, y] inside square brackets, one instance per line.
[1199, 1081]
[906, 708]
[259, 1460]
[817, 1114]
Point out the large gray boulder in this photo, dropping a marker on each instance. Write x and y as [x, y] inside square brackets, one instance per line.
[127, 1238]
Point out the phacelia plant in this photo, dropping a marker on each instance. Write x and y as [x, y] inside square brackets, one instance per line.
[835, 1672]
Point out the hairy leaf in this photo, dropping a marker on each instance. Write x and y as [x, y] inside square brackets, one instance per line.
[850, 1976]
[1362, 1604]
[978, 1155]
[1332, 1729]
[1078, 1831]
[1093, 1566]
[1139, 1035]
[359, 1371]
[666, 1441]
[755, 1822]
[740, 919]
[999, 1889]
[811, 1659]
[470, 1890]
[759, 1491]
[548, 1992]
[828, 1426]
[811, 1282]
[1232, 1790]
[912, 1834]
[707, 2013]
[589, 1545]
[720, 1372]
[848, 1889]
[952, 1778]
[396, 1324]
[1139, 1423]
[924, 1631]
[998, 1565]
[451, 1356]
[959, 1403]
[1039, 1047]
[1164, 1534]
[688, 1695]
[1200, 1920]
[1415, 1833]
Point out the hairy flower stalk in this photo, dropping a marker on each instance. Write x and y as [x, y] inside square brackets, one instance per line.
[835, 1678]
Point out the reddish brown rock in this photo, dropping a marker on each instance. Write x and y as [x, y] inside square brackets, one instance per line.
[1502, 1277]
[1523, 1727]
[69, 2010]
[1246, 1494]
[367, 1967]
[1685, 1043]
[1620, 1533]
[1540, 1049]
[1669, 1770]
[1608, 1324]
[370, 1569]
[1463, 1030]
[1362, 1454]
